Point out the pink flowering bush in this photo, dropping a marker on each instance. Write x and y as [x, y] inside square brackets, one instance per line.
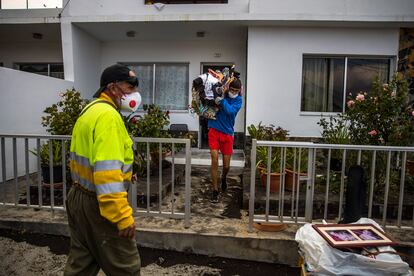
[377, 117]
[381, 116]
[373, 132]
[360, 97]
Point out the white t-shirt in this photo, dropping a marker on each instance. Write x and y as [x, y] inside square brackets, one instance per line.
[209, 81]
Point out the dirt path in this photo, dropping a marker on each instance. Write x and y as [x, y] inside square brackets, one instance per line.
[23, 259]
[29, 254]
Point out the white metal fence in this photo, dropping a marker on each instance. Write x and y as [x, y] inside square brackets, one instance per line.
[17, 151]
[187, 191]
[313, 197]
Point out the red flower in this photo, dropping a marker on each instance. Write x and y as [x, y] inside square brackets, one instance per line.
[134, 120]
[373, 132]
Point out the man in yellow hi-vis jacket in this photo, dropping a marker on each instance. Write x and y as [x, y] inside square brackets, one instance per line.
[101, 224]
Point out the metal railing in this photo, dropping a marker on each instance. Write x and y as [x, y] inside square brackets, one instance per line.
[385, 167]
[187, 191]
[23, 152]
[21, 169]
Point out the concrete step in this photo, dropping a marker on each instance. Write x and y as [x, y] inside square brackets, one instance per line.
[201, 157]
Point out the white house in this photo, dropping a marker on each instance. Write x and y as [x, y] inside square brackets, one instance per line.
[298, 59]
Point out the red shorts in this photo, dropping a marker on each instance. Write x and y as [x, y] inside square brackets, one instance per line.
[220, 141]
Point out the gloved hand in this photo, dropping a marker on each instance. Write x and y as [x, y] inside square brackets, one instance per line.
[218, 100]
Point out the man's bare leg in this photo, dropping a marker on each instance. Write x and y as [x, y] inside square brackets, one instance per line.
[226, 168]
[214, 168]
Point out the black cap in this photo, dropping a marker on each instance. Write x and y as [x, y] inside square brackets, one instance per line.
[114, 73]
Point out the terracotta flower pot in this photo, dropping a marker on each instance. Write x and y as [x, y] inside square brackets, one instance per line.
[274, 181]
[410, 167]
[289, 179]
[155, 156]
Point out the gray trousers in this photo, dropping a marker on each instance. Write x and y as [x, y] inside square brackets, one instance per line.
[94, 240]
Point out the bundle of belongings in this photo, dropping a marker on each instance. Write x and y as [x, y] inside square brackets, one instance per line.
[321, 258]
[207, 87]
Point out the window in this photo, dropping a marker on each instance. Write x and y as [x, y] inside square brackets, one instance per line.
[47, 69]
[150, 2]
[164, 84]
[324, 86]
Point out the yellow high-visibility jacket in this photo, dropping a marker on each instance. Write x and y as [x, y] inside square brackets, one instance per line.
[101, 158]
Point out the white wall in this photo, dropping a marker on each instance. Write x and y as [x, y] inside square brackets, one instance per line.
[341, 10]
[192, 52]
[86, 62]
[29, 16]
[286, 12]
[127, 7]
[274, 73]
[12, 52]
[24, 96]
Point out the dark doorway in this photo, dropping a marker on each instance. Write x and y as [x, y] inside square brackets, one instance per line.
[203, 121]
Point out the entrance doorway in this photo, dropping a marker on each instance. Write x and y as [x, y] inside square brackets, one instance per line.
[203, 131]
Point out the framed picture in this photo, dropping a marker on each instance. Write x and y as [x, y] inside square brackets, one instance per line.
[353, 235]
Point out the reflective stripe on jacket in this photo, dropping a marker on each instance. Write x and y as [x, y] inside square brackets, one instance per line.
[101, 159]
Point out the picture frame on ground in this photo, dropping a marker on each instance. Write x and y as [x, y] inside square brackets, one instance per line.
[353, 235]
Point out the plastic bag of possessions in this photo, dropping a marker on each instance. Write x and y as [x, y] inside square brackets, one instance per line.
[322, 259]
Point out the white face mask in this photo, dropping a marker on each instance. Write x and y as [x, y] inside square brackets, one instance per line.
[232, 96]
[131, 102]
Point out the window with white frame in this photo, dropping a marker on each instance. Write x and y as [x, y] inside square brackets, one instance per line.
[47, 69]
[327, 81]
[163, 84]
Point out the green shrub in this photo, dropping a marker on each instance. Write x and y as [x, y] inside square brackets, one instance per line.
[334, 131]
[267, 133]
[56, 153]
[60, 120]
[62, 116]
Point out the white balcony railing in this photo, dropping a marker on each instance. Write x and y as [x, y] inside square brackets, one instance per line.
[30, 4]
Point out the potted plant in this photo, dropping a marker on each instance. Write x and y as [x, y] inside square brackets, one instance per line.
[291, 170]
[262, 167]
[45, 162]
[59, 120]
[153, 124]
[335, 131]
[268, 133]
